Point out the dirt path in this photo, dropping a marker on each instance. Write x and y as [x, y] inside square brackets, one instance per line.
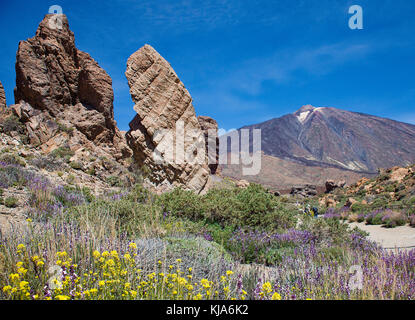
[402, 238]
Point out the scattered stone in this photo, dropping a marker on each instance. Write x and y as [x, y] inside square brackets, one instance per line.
[306, 191]
[243, 184]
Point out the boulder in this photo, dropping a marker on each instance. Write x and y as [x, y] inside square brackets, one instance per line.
[331, 185]
[306, 191]
[210, 131]
[165, 135]
[58, 84]
[243, 184]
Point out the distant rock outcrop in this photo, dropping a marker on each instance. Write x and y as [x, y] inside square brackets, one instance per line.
[305, 191]
[331, 185]
[210, 130]
[60, 87]
[2, 97]
[165, 116]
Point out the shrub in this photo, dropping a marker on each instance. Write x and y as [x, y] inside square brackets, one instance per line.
[358, 207]
[15, 176]
[48, 163]
[384, 177]
[380, 203]
[87, 193]
[361, 217]
[91, 171]
[412, 221]
[114, 181]
[11, 202]
[375, 218]
[204, 257]
[75, 165]
[71, 179]
[68, 196]
[62, 152]
[329, 231]
[139, 194]
[264, 248]
[182, 203]
[11, 158]
[250, 207]
[411, 201]
[66, 129]
[394, 219]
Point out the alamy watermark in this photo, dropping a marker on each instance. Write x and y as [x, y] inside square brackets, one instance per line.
[356, 21]
[56, 21]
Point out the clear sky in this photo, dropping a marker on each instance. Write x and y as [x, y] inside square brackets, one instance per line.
[243, 62]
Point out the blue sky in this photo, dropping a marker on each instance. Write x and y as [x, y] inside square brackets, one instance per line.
[243, 62]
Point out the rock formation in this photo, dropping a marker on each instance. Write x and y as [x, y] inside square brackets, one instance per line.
[210, 130]
[59, 86]
[331, 185]
[304, 192]
[165, 124]
[2, 98]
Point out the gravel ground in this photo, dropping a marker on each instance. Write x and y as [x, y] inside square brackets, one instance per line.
[401, 238]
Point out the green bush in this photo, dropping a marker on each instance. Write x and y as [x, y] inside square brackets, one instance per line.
[75, 165]
[395, 219]
[12, 158]
[114, 181]
[329, 231]
[358, 207]
[119, 217]
[375, 219]
[11, 202]
[63, 128]
[182, 204]
[91, 171]
[251, 207]
[139, 194]
[62, 152]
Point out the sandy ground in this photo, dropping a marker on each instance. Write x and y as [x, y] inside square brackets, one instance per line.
[401, 238]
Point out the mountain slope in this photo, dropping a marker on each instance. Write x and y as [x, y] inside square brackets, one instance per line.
[338, 138]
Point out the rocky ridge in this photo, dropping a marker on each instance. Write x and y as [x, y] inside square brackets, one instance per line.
[63, 97]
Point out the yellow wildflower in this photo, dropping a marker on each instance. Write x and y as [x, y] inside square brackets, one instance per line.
[276, 296]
